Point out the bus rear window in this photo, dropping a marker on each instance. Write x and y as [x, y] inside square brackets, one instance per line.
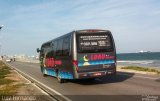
[93, 43]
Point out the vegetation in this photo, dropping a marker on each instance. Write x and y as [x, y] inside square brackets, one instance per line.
[142, 69]
[6, 85]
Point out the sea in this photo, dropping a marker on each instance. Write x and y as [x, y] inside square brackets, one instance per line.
[145, 59]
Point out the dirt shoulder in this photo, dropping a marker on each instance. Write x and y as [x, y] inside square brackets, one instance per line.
[12, 83]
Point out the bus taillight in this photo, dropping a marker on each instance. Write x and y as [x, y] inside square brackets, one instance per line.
[75, 63]
[115, 59]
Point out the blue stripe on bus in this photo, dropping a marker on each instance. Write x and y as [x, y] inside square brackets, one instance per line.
[96, 62]
[49, 71]
[63, 75]
[66, 75]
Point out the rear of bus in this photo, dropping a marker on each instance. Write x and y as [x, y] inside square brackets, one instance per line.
[94, 53]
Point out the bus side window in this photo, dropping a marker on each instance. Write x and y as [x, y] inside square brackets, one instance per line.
[66, 46]
[59, 48]
[42, 53]
[54, 46]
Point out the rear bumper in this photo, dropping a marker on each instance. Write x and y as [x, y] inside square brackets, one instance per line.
[96, 74]
[94, 71]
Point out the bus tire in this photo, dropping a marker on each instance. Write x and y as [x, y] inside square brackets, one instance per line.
[91, 79]
[60, 80]
[114, 73]
[45, 75]
[42, 70]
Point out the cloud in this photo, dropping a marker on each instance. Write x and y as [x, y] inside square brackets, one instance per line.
[49, 19]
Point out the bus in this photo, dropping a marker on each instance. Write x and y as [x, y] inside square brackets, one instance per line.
[80, 54]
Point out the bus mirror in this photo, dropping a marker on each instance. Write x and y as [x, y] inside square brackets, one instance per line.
[38, 50]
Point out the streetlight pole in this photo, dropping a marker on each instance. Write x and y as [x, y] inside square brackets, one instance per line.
[1, 26]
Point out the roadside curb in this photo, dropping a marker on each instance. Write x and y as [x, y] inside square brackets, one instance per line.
[52, 93]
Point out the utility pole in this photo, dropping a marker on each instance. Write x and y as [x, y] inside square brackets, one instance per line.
[1, 26]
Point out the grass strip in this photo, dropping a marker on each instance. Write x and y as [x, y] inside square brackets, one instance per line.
[145, 69]
[6, 85]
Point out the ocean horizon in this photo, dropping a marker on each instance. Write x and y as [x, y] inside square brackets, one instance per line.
[146, 59]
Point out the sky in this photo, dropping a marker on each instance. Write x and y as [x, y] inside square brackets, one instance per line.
[135, 24]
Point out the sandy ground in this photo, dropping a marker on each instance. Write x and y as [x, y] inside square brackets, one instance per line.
[26, 88]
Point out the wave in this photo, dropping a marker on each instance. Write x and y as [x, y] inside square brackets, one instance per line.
[137, 61]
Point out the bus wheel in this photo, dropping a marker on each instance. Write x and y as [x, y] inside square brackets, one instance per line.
[45, 75]
[91, 79]
[60, 80]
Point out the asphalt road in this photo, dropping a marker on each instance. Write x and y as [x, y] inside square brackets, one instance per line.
[123, 86]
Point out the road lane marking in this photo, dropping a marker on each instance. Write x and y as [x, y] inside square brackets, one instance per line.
[140, 76]
[56, 92]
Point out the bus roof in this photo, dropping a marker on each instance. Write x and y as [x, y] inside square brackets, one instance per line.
[79, 31]
[92, 30]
